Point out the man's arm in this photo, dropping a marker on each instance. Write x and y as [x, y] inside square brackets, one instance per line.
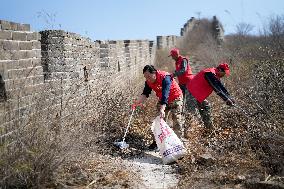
[166, 86]
[217, 86]
[182, 69]
[147, 90]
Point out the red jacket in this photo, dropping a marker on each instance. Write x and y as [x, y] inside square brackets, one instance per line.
[175, 91]
[198, 85]
[184, 78]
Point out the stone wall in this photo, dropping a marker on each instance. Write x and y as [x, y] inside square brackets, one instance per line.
[21, 73]
[216, 25]
[55, 73]
[188, 26]
[166, 42]
[170, 41]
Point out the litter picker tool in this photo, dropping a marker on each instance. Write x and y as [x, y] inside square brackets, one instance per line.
[122, 144]
[242, 110]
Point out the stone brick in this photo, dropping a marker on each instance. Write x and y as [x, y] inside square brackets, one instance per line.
[16, 55]
[36, 62]
[15, 73]
[9, 84]
[38, 80]
[5, 25]
[14, 26]
[10, 45]
[37, 53]
[104, 51]
[5, 35]
[12, 64]
[3, 66]
[31, 54]
[38, 36]
[104, 46]
[25, 63]
[23, 45]
[28, 79]
[20, 36]
[18, 83]
[38, 70]
[36, 45]
[102, 55]
[29, 90]
[5, 55]
[23, 27]
[33, 36]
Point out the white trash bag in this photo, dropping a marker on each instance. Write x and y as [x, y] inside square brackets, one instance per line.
[170, 146]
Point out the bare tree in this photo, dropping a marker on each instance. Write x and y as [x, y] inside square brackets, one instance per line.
[276, 30]
[243, 28]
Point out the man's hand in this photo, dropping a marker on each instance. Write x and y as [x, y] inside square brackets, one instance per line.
[139, 102]
[162, 110]
[136, 105]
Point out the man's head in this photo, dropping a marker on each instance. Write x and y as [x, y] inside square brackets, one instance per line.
[174, 53]
[223, 69]
[149, 72]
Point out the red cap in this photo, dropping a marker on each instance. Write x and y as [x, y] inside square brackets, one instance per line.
[225, 67]
[174, 52]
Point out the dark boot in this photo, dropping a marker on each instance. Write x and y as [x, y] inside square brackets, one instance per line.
[153, 146]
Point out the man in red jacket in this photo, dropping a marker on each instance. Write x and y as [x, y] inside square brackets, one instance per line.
[184, 74]
[169, 94]
[207, 80]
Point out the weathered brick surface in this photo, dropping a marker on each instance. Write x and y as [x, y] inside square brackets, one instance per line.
[9, 45]
[33, 36]
[19, 36]
[21, 70]
[165, 42]
[5, 35]
[23, 27]
[218, 30]
[6, 25]
[24, 45]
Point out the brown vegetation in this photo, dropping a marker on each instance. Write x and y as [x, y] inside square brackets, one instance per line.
[45, 151]
[247, 142]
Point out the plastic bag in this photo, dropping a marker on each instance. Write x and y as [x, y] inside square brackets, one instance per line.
[170, 146]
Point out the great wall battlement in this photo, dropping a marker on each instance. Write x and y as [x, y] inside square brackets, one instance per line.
[166, 42]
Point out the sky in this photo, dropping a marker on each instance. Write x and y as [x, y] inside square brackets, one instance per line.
[135, 19]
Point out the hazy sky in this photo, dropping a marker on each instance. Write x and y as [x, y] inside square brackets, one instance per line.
[135, 19]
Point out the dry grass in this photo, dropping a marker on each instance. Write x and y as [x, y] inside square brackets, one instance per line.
[51, 139]
[247, 144]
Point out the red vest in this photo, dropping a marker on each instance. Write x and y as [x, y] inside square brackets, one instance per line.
[184, 78]
[198, 85]
[175, 91]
